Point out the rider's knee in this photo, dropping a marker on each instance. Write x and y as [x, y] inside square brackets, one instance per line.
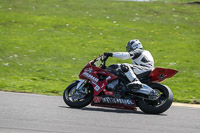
[124, 67]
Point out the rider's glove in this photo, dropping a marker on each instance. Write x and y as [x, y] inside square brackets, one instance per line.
[107, 54]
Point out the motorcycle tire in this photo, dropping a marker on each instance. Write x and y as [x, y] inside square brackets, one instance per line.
[78, 104]
[161, 104]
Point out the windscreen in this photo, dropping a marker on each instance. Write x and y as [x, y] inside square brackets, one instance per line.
[99, 61]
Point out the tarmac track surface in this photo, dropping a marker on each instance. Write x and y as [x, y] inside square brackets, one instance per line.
[31, 113]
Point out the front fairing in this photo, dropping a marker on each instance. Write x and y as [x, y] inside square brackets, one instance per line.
[92, 73]
[87, 66]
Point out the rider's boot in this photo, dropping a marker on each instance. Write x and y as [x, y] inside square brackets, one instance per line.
[134, 85]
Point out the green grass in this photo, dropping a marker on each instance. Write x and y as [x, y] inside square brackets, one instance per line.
[45, 43]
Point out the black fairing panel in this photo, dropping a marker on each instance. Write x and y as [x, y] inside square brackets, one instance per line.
[144, 77]
[115, 69]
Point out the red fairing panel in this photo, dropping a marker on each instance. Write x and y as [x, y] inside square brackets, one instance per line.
[160, 74]
[91, 72]
[112, 102]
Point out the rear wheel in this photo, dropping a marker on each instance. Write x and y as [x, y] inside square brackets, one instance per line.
[78, 98]
[161, 104]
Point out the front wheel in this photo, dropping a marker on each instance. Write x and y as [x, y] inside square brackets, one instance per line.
[78, 98]
[161, 104]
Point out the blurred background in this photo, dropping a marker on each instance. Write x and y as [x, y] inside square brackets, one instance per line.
[44, 44]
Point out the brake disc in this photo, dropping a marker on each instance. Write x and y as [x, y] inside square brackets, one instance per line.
[76, 94]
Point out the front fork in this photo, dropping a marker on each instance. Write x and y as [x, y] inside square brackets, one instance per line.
[80, 85]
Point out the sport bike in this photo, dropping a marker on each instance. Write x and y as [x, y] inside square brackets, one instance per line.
[104, 86]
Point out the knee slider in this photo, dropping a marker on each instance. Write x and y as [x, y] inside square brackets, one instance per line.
[124, 68]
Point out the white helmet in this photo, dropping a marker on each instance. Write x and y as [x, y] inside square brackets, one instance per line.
[133, 44]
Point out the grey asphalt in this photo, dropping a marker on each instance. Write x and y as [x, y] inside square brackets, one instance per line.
[31, 113]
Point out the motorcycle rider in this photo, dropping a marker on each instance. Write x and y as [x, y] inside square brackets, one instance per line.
[142, 61]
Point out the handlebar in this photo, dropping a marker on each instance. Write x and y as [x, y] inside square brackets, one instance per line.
[104, 62]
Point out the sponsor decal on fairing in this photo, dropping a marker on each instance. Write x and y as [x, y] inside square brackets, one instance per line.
[90, 77]
[112, 100]
[97, 99]
[97, 88]
[161, 76]
[89, 70]
[108, 78]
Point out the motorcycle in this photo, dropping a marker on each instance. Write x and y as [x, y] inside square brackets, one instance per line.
[104, 86]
